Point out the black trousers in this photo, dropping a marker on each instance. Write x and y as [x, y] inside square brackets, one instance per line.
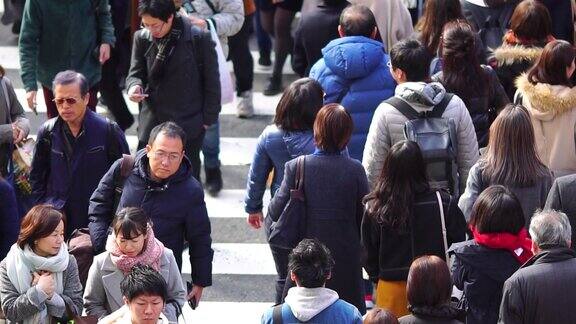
[112, 94]
[242, 61]
[280, 257]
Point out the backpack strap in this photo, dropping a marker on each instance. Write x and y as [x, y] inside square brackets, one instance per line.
[120, 175]
[277, 314]
[440, 108]
[211, 5]
[403, 107]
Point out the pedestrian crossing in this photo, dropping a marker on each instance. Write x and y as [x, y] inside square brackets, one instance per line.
[243, 268]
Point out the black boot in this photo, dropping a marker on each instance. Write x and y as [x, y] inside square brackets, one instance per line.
[273, 87]
[213, 182]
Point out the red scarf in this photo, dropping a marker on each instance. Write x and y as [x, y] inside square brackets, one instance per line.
[519, 245]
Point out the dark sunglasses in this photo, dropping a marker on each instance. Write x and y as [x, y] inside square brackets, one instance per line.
[70, 101]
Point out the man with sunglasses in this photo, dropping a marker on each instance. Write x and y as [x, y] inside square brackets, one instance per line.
[161, 182]
[73, 151]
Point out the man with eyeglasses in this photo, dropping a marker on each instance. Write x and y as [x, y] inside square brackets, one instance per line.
[161, 182]
[173, 76]
[73, 151]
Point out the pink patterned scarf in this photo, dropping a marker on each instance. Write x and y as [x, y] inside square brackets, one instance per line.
[150, 254]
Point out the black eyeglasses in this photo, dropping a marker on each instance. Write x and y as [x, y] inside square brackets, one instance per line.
[70, 101]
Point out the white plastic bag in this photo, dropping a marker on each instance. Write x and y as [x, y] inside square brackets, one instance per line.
[226, 84]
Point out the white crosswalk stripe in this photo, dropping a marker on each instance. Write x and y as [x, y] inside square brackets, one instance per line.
[241, 256]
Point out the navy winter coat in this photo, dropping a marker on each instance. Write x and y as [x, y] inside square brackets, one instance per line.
[354, 72]
[176, 207]
[334, 186]
[68, 182]
[275, 147]
[8, 218]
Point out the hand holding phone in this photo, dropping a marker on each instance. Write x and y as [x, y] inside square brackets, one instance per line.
[192, 301]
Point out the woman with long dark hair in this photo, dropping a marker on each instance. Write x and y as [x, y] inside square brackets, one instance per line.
[429, 28]
[334, 185]
[548, 94]
[402, 221]
[477, 85]
[500, 245]
[510, 160]
[290, 136]
[530, 30]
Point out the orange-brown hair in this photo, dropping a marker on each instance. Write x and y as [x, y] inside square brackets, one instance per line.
[332, 128]
[39, 222]
[531, 21]
[429, 282]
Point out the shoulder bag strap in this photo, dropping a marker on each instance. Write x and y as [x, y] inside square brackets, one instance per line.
[403, 107]
[277, 314]
[300, 173]
[443, 222]
[6, 98]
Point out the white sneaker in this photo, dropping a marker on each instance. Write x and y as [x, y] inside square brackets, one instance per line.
[245, 106]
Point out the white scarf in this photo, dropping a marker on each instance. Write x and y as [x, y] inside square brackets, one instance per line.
[21, 263]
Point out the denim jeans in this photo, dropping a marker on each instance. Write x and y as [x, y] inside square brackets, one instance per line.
[211, 146]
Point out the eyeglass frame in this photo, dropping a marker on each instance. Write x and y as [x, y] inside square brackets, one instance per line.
[161, 156]
[153, 28]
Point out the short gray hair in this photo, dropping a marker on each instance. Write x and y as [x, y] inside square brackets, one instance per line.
[549, 228]
[69, 77]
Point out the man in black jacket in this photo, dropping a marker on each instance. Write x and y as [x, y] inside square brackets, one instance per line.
[544, 289]
[174, 76]
[161, 183]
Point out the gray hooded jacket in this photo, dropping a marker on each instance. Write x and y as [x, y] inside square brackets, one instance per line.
[387, 128]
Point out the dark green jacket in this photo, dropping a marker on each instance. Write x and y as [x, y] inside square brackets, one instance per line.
[58, 35]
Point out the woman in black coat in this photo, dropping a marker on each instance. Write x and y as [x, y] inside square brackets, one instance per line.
[475, 83]
[334, 185]
[500, 245]
[402, 222]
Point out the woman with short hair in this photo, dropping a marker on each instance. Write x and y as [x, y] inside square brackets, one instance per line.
[510, 160]
[334, 185]
[38, 278]
[290, 136]
[500, 245]
[131, 242]
[428, 289]
[550, 97]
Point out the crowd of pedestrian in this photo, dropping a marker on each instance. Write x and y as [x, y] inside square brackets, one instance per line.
[439, 158]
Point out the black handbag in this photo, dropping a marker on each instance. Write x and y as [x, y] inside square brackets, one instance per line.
[289, 230]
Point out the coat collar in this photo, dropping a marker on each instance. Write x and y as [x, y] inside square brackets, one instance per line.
[553, 255]
[545, 97]
[510, 54]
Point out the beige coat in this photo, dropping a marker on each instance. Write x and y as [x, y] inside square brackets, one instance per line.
[102, 295]
[393, 19]
[553, 112]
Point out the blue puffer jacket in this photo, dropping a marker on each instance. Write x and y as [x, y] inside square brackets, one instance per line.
[354, 72]
[275, 148]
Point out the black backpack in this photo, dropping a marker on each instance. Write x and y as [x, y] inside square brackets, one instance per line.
[436, 137]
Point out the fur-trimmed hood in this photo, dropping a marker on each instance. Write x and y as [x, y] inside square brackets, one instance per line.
[546, 100]
[509, 54]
